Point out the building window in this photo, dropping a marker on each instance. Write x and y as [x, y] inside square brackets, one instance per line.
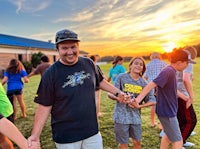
[20, 57]
[54, 58]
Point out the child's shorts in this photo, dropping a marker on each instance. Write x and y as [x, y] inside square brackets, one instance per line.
[171, 128]
[125, 131]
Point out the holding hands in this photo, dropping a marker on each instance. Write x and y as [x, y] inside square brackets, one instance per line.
[120, 96]
[125, 98]
[33, 143]
[134, 104]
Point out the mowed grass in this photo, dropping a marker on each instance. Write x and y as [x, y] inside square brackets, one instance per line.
[150, 136]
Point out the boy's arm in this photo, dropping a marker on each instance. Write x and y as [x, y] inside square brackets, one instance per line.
[108, 87]
[145, 91]
[188, 85]
[147, 104]
[134, 104]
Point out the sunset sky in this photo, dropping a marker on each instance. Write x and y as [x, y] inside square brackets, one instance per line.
[107, 27]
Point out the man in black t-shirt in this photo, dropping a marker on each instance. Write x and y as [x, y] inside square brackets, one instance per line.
[67, 91]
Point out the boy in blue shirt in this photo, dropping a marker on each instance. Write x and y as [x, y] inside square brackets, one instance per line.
[167, 102]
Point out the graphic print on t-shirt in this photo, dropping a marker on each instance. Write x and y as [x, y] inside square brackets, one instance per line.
[76, 79]
[132, 89]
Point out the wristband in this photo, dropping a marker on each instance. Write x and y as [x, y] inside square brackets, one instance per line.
[117, 94]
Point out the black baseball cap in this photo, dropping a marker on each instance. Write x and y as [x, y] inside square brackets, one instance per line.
[66, 35]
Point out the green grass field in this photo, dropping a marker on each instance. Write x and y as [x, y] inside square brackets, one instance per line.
[150, 136]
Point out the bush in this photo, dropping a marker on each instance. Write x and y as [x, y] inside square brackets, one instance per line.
[35, 59]
[28, 66]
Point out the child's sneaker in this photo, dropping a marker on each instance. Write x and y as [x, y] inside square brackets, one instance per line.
[188, 144]
[193, 133]
[162, 133]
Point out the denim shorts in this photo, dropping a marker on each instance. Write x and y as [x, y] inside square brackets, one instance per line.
[125, 131]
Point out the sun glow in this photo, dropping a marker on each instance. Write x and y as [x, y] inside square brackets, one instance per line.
[168, 47]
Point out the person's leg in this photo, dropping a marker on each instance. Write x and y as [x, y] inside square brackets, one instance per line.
[98, 100]
[5, 143]
[137, 144]
[22, 104]
[122, 135]
[93, 142]
[12, 101]
[191, 121]
[164, 142]
[172, 133]
[153, 116]
[135, 133]
[14, 107]
[177, 145]
[187, 119]
[181, 115]
[123, 146]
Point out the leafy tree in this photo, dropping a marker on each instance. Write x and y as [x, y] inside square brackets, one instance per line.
[35, 59]
[28, 66]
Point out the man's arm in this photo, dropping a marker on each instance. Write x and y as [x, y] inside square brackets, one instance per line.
[108, 87]
[41, 117]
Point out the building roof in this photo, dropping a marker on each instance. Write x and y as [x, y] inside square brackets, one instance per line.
[24, 42]
[9, 40]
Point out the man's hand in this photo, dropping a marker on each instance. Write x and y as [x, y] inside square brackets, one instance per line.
[124, 98]
[33, 142]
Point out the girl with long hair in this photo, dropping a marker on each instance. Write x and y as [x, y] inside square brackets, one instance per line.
[13, 77]
[127, 119]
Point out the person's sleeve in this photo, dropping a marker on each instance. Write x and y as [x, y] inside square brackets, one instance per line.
[23, 73]
[45, 92]
[5, 73]
[162, 79]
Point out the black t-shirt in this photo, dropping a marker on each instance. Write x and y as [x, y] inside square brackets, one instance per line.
[70, 90]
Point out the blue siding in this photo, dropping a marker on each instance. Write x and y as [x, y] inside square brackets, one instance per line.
[25, 42]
